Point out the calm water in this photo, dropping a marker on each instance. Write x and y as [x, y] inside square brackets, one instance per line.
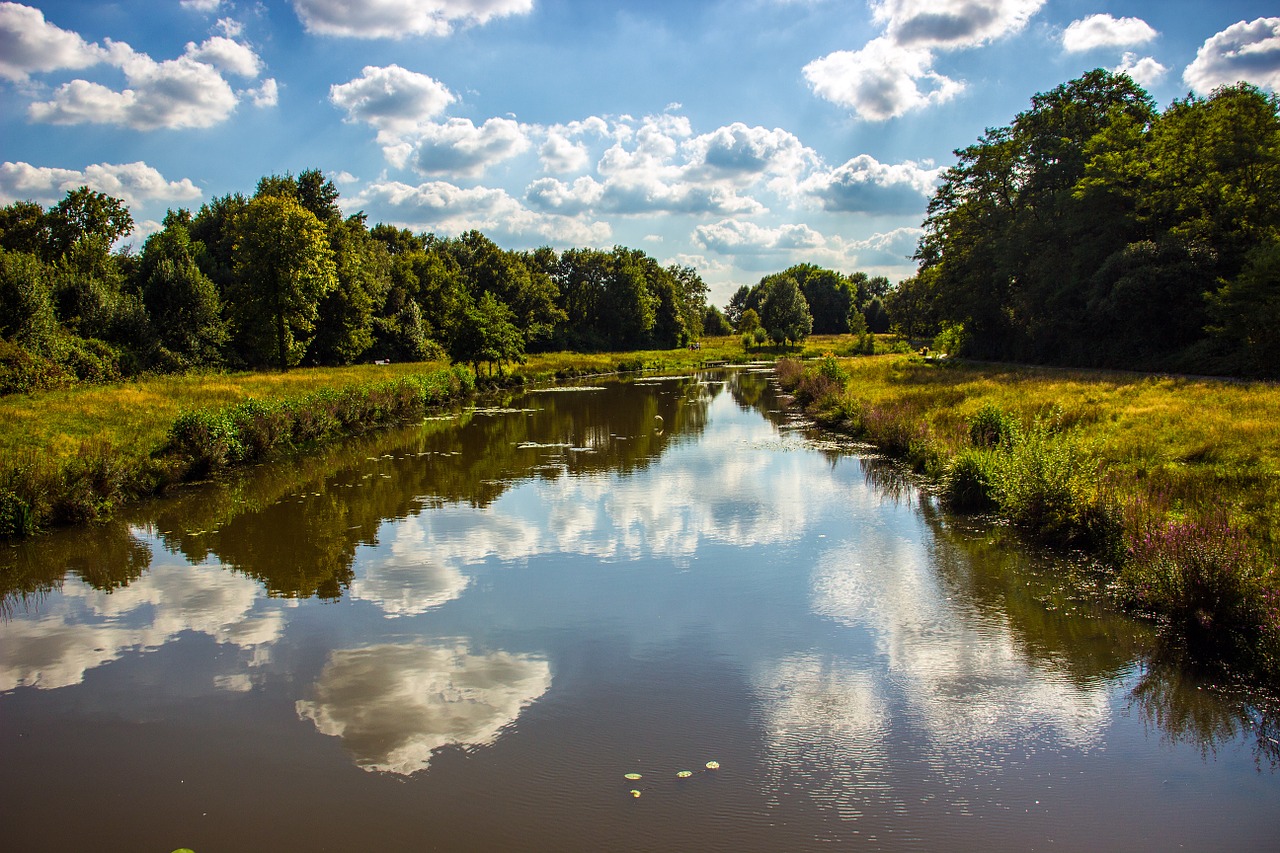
[462, 635]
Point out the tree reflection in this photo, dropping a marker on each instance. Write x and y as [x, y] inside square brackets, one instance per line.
[1177, 700]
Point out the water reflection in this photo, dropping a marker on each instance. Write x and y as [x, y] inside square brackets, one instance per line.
[860, 650]
[87, 627]
[395, 706]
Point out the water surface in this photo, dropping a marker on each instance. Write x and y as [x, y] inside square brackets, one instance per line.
[462, 636]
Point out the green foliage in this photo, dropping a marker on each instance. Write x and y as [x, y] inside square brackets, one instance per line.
[992, 426]
[284, 266]
[784, 313]
[1090, 230]
[950, 339]
[967, 485]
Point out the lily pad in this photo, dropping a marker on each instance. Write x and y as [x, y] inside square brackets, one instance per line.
[635, 793]
[632, 776]
[684, 774]
[713, 765]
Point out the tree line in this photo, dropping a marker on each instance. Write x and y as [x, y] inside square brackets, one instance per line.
[1097, 231]
[281, 279]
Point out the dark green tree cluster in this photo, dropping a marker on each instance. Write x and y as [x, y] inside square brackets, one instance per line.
[281, 279]
[1096, 231]
[807, 299]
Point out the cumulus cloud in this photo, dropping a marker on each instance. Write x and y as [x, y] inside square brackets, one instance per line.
[863, 184]
[135, 183]
[559, 153]
[1145, 71]
[397, 19]
[266, 95]
[881, 81]
[887, 249]
[893, 74]
[1105, 31]
[732, 236]
[31, 45]
[186, 92]
[952, 23]
[1243, 51]
[391, 99]
[226, 54]
[206, 6]
[442, 207]
[458, 147]
[740, 153]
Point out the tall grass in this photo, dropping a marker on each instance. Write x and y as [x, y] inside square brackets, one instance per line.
[1173, 482]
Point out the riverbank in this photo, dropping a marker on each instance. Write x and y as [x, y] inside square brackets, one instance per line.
[77, 454]
[1173, 483]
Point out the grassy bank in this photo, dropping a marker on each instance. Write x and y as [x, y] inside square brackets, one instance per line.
[76, 454]
[1172, 482]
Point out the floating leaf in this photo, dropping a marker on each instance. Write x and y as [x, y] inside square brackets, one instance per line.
[684, 774]
[632, 776]
[713, 765]
[635, 793]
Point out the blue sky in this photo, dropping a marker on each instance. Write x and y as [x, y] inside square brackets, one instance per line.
[737, 137]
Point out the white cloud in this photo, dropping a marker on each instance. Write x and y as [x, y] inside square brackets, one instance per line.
[458, 148]
[206, 6]
[1145, 71]
[397, 19]
[391, 99]
[888, 249]
[135, 183]
[266, 95]
[561, 154]
[1105, 31]
[880, 81]
[444, 208]
[553, 196]
[29, 44]
[952, 23]
[1243, 51]
[865, 185]
[187, 92]
[226, 54]
[742, 154]
[733, 236]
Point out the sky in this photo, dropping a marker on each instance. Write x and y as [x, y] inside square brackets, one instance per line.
[737, 137]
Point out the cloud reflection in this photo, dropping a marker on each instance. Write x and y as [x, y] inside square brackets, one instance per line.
[962, 672]
[87, 628]
[394, 706]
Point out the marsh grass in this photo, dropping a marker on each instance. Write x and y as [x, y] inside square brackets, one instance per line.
[1173, 481]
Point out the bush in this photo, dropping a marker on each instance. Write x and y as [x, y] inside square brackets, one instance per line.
[991, 426]
[208, 440]
[967, 485]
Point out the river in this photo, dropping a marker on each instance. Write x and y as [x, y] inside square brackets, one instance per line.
[645, 614]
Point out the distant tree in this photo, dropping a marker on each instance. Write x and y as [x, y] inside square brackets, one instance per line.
[785, 314]
[284, 267]
[25, 227]
[737, 304]
[1246, 312]
[714, 323]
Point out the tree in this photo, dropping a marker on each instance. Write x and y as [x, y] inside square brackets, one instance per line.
[1247, 312]
[749, 321]
[86, 213]
[714, 323]
[737, 304]
[26, 302]
[283, 267]
[828, 295]
[486, 333]
[785, 314]
[182, 301]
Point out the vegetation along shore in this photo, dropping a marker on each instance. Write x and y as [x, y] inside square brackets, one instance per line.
[1171, 484]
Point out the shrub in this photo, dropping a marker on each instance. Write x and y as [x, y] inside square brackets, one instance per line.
[208, 439]
[991, 426]
[967, 485]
